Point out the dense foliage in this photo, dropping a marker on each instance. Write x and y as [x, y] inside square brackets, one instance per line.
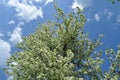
[60, 50]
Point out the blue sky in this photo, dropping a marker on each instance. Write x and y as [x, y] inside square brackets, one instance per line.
[20, 17]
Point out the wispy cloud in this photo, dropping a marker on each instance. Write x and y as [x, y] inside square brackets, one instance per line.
[118, 18]
[15, 36]
[97, 17]
[20, 24]
[3, 2]
[5, 49]
[81, 3]
[48, 1]
[76, 4]
[1, 35]
[108, 13]
[32, 1]
[11, 22]
[35, 0]
[11, 78]
[25, 11]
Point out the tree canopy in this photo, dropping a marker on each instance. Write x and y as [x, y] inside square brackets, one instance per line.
[61, 50]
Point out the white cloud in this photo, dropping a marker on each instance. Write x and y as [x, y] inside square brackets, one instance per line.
[11, 22]
[76, 4]
[15, 36]
[48, 1]
[1, 35]
[108, 13]
[3, 2]
[25, 11]
[20, 24]
[118, 18]
[81, 3]
[10, 78]
[31, 1]
[97, 17]
[36, 0]
[5, 49]
[88, 19]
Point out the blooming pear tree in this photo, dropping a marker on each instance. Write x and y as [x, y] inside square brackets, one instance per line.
[61, 50]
